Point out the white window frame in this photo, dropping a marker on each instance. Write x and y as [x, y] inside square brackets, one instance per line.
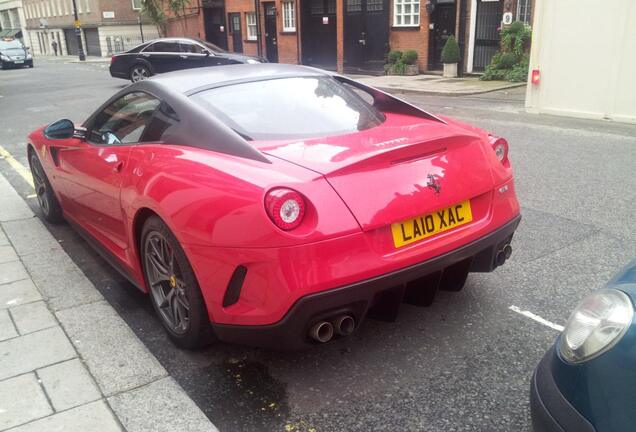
[133, 5]
[399, 14]
[250, 25]
[289, 16]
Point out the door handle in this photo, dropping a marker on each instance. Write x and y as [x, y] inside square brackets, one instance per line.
[183, 56]
[118, 166]
[145, 55]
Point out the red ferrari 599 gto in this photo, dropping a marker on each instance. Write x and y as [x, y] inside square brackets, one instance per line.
[277, 205]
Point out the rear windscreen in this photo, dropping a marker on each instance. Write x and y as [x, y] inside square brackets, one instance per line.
[290, 108]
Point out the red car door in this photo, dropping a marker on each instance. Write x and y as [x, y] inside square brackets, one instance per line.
[93, 171]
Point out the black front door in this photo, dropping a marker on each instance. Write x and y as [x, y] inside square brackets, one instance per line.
[443, 20]
[214, 18]
[319, 33]
[235, 32]
[71, 41]
[271, 46]
[489, 14]
[366, 35]
[92, 42]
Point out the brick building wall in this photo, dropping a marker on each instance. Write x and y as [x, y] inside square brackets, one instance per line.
[187, 26]
[287, 42]
[289, 46]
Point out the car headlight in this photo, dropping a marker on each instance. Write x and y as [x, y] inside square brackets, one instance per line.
[252, 61]
[596, 325]
[29, 56]
[4, 57]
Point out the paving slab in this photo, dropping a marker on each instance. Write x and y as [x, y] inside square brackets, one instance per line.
[32, 317]
[68, 385]
[60, 281]
[17, 293]
[33, 351]
[7, 254]
[12, 207]
[434, 84]
[94, 417]
[30, 236]
[159, 407]
[22, 400]
[7, 329]
[112, 352]
[3, 239]
[11, 272]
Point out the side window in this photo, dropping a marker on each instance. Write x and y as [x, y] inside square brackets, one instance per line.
[367, 97]
[167, 47]
[191, 48]
[123, 121]
[165, 118]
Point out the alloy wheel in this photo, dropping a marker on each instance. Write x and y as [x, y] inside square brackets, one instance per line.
[139, 73]
[166, 283]
[40, 185]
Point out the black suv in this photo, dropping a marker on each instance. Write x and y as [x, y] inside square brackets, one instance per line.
[171, 54]
[14, 54]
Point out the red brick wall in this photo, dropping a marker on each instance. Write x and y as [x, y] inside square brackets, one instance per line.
[412, 38]
[287, 42]
[185, 26]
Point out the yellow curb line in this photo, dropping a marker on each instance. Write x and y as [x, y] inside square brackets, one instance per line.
[17, 166]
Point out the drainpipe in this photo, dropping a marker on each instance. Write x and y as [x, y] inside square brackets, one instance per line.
[259, 49]
[298, 19]
[462, 34]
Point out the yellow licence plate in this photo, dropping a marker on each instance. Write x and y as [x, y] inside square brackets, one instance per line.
[419, 228]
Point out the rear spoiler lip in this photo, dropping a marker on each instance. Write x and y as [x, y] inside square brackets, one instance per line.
[388, 102]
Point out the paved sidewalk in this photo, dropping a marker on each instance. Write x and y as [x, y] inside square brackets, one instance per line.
[434, 84]
[68, 362]
[72, 59]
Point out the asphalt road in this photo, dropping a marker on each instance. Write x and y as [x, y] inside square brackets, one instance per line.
[463, 364]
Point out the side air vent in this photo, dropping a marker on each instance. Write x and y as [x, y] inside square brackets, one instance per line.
[233, 291]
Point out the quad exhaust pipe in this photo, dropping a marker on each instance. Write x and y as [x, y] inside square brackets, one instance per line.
[324, 331]
[503, 255]
[344, 325]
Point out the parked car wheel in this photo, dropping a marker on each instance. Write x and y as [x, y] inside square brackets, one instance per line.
[51, 209]
[174, 290]
[139, 73]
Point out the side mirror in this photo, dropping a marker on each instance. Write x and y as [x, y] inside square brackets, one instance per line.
[61, 129]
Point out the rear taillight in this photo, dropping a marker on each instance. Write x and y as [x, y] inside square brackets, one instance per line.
[500, 147]
[285, 207]
[112, 59]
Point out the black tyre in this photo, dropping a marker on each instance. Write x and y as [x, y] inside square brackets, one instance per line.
[174, 290]
[139, 72]
[49, 205]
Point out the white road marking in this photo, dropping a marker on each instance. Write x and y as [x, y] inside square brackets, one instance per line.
[537, 318]
[17, 166]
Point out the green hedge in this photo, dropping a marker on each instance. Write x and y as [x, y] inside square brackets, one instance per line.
[512, 61]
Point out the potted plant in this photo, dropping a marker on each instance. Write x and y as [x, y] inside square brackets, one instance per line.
[450, 57]
[410, 60]
[401, 63]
